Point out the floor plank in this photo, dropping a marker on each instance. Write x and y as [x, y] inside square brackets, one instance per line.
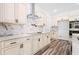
[57, 47]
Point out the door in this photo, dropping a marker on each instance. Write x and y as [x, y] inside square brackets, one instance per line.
[11, 47]
[20, 13]
[35, 44]
[1, 46]
[1, 12]
[75, 44]
[41, 41]
[28, 46]
[8, 12]
[48, 36]
[0, 51]
[12, 50]
[45, 39]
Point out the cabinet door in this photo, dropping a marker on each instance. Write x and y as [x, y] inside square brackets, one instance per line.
[28, 46]
[35, 44]
[48, 36]
[41, 42]
[20, 13]
[0, 51]
[75, 45]
[1, 12]
[45, 39]
[8, 12]
[12, 50]
[1, 46]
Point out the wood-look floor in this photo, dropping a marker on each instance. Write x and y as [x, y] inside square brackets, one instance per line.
[57, 47]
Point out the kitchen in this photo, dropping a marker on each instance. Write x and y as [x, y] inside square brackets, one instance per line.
[37, 29]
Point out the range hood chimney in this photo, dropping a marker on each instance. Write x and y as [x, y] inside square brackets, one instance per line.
[31, 14]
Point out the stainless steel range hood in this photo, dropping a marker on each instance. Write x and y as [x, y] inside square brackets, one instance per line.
[32, 12]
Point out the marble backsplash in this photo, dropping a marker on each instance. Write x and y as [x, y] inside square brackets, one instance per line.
[8, 29]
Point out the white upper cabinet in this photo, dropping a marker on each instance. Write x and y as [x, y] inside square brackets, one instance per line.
[7, 14]
[13, 13]
[1, 12]
[20, 13]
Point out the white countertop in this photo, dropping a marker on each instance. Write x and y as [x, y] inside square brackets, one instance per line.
[20, 36]
[13, 36]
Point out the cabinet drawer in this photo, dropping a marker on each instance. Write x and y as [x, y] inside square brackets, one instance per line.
[11, 42]
[12, 50]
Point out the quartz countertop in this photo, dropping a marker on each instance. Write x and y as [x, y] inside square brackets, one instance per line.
[20, 36]
[13, 37]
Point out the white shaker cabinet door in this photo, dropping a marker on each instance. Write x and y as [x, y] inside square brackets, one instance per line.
[0, 51]
[20, 13]
[28, 46]
[12, 50]
[35, 44]
[1, 12]
[1, 46]
[41, 42]
[45, 40]
[8, 12]
[75, 44]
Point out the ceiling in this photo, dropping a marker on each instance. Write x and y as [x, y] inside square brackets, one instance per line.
[57, 8]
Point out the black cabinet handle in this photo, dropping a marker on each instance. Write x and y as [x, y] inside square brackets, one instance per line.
[21, 46]
[13, 43]
[39, 39]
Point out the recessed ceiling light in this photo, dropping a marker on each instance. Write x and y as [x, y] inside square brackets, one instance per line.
[55, 10]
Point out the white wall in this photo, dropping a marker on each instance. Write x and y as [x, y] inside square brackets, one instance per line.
[45, 18]
[66, 15]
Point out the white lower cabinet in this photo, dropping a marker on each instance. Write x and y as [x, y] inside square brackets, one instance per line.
[11, 47]
[0, 51]
[1, 46]
[45, 39]
[48, 38]
[41, 42]
[28, 46]
[24, 46]
[75, 44]
[35, 44]
[12, 50]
